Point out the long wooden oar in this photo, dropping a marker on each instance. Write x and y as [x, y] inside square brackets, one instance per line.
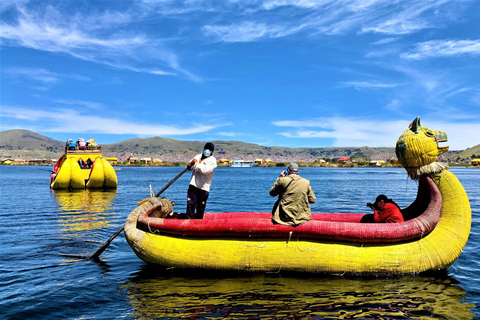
[171, 182]
[107, 243]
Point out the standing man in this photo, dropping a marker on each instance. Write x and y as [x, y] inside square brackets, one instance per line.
[294, 197]
[203, 165]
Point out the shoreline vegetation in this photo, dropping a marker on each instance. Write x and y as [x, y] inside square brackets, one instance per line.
[267, 165]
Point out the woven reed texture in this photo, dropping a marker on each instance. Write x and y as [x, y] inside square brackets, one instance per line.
[417, 150]
[110, 177]
[97, 176]
[77, 177]
[162, 209]
[62, 181]
[436, 251]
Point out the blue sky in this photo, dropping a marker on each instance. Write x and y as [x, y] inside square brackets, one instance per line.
[277, 73]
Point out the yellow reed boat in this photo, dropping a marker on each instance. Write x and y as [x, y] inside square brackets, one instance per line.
[83, 167]
[433, 236]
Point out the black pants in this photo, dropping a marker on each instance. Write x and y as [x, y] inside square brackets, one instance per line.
[196, 199]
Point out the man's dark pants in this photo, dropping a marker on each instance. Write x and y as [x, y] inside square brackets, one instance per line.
[196, 199]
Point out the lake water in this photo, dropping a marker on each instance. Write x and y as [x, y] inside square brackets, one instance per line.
[43, 233]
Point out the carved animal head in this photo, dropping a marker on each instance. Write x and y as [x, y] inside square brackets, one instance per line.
[417, 149]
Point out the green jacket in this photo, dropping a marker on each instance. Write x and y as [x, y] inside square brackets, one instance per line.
[293, 206]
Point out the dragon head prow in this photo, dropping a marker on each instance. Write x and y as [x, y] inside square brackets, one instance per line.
[417, 150]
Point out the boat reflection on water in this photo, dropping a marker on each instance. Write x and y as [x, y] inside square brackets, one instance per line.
[82, 210]
[272, 296]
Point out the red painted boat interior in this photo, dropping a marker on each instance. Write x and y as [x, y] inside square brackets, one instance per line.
[421, 217]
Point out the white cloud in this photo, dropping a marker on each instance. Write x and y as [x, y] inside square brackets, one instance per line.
[351, 132]
[228, 134]
[368, 85]
[394, 105]
[82, 103]
[319, 123]
[406, 17]
[73, 121]
[398, 25]
[41, 75]
[427, 80]
[445, 92]
[459, 91]
[142, 70]
[91, 37]
[385, 41]
[36, 74]
[51, 35]
[243, 32]
[177, 8]
[378, 16]
[443, 48]
[351, 5]
[273, 4]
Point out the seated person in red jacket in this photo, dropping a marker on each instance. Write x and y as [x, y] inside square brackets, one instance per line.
[385, 210]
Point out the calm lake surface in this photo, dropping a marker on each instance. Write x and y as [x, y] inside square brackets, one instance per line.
[43, 233]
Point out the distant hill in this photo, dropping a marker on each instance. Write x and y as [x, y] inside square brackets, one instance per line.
[470, 152]
[28, 140]
[153, 147]
[178, 150]
[27, 145]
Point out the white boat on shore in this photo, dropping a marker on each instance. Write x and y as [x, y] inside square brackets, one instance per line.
[243, 164]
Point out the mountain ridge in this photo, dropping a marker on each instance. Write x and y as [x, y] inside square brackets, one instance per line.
[20, 143]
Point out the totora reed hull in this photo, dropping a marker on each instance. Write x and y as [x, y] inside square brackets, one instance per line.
[435, 231]
[434, 251]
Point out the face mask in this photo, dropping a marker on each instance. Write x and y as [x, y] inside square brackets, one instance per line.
[207, 152]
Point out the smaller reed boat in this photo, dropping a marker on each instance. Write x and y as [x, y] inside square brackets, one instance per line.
[436, 228]
[83, 167]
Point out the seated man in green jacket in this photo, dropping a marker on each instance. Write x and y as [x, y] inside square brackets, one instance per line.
[294, 197]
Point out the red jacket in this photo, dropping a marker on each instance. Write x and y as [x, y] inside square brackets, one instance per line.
[389, 214]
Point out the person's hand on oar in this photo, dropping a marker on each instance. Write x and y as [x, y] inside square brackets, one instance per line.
[107, 243]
